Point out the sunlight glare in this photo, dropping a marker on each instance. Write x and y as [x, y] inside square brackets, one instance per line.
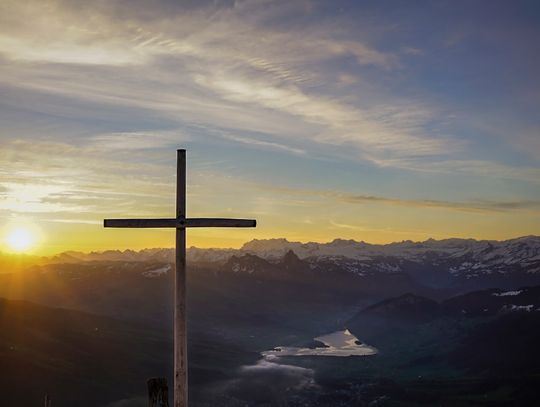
[21, 235]
[20, 239]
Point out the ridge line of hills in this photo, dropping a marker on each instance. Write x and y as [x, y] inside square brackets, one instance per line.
[277, 247]
[457, 265]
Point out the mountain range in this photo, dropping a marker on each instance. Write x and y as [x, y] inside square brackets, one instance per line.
[470, 256]
[454, 321]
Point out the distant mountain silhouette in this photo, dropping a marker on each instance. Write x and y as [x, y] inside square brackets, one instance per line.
[450, 265]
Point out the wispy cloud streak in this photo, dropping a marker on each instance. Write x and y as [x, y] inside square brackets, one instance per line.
[182, 65]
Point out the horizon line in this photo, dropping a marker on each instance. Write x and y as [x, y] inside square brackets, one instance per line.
[30, 255]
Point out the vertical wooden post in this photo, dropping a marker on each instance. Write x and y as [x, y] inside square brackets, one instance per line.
[180, 342]
[180, 222]
[158, 392]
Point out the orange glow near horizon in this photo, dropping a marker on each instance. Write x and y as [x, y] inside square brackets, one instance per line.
[65, 236]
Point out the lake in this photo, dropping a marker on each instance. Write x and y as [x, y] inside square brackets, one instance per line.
[340, 343]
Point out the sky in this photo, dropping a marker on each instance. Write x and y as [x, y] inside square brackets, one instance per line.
[378, 121]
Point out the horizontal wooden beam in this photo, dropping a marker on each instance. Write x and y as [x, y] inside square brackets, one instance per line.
[180, 223]
[220, 223]
[140, 223]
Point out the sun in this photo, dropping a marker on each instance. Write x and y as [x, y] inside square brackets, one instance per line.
[21, 235]
[20, 239]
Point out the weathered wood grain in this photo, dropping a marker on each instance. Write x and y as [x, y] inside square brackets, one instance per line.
[140, 223]
[220, 223]
[180, 334]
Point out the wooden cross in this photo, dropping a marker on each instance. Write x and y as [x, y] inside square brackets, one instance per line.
[180, 223]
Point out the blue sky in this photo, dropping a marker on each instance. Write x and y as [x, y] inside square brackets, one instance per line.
[378, 121]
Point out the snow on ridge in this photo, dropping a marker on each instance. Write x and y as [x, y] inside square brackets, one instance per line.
[508, 293]
[461, 257]
[489, 255]
[513, 308]
[157, 272]
[236, 268]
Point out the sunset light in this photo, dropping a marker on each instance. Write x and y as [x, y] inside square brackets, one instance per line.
[20, 240]
[20, 236]
[301, 203]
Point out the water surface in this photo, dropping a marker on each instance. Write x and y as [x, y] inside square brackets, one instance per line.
[340, 343]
